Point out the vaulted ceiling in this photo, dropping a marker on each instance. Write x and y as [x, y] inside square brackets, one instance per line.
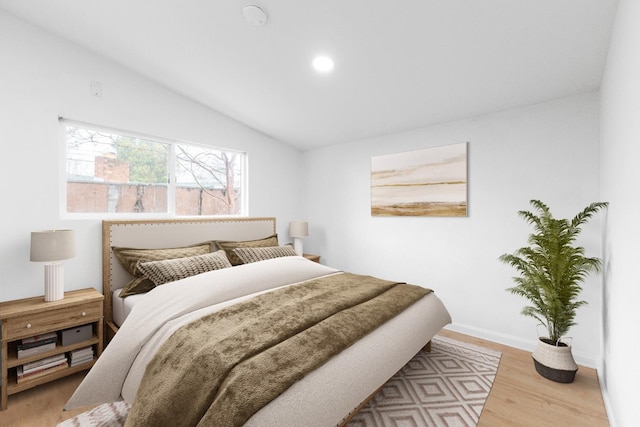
[399, 64]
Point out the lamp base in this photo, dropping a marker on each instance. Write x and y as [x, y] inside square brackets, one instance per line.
[53, 282]
[297, 246]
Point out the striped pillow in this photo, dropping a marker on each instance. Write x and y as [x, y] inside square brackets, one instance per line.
[230, 246]
[130, 258]
[248, 255]
[170, 270]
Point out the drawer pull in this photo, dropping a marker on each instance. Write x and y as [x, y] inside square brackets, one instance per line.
[28, 325]
[84, 313]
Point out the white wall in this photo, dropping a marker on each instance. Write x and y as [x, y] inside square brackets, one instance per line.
[547, 151]
[41, 78]
[620, 154]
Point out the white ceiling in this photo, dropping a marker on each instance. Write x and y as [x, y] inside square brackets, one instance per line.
[399, 64]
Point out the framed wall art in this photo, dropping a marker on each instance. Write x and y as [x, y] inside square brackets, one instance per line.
[429, 182]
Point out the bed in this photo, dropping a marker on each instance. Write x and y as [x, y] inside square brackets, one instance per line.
[140, 326]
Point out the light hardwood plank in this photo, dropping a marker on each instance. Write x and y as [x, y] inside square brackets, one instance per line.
[42, 406]
[519, 397]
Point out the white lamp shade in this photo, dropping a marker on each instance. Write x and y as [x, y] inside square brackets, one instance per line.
[298, 229]
[52, 245]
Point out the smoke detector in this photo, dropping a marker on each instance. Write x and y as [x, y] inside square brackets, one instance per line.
[254, 15]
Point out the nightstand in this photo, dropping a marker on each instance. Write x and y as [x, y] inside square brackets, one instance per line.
[312, 257]
[30, 317]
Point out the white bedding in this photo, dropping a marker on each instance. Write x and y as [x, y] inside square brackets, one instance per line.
[323, 398]
[123, 306]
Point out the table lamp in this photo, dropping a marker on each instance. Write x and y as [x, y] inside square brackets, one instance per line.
[298, 230]
[50, 247]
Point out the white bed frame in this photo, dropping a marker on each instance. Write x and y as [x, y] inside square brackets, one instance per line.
[168, 233]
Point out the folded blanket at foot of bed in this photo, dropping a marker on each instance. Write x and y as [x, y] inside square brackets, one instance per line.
[221, 369]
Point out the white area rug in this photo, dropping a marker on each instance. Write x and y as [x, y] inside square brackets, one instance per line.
[445, 388]
[106, 415]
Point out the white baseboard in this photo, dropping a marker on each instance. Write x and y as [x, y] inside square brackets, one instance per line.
[607, 399]
[513, 341]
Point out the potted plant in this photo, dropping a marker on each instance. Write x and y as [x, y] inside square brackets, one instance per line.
[551, 270]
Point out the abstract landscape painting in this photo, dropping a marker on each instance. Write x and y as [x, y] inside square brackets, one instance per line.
[429, 182]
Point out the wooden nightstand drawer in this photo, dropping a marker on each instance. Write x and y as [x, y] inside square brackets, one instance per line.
[30, 324]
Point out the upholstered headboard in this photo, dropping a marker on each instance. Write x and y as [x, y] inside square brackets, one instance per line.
[155, 234]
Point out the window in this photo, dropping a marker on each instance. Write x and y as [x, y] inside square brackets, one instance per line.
[110, 172]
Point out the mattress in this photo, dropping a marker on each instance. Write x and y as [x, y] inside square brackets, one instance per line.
[322, 398]
[123, 306]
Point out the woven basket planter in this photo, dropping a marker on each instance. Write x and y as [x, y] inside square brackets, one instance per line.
[555, 362]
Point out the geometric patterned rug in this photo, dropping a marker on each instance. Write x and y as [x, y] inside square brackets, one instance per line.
[445, 388]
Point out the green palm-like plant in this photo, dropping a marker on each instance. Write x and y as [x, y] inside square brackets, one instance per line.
[552, 269]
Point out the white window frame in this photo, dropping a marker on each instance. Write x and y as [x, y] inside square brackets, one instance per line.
[171, 187]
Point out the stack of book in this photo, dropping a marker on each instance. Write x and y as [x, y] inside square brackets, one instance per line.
[37, 344]
[41, 367]
[80, 356]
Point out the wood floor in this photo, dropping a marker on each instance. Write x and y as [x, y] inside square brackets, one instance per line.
[519, 397]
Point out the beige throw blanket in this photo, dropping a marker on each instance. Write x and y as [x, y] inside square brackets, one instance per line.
[221, 369]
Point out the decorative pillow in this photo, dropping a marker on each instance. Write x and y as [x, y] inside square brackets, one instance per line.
[170, 270]
[248, 255]
[130, 257]
[259, 243]
[139, 285]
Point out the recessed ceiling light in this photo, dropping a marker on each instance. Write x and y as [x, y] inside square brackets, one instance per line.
[323, 64]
